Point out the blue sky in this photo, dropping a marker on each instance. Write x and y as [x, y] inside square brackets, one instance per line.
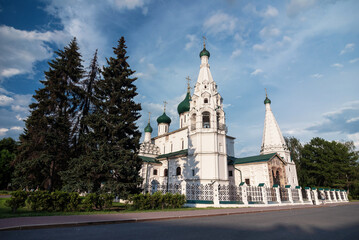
[305, 52]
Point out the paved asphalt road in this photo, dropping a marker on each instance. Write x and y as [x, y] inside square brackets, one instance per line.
[340, 222]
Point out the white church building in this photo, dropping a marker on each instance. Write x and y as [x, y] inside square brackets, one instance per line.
[200, 151]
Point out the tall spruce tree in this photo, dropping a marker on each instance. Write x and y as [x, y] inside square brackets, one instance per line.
[45, 145]
[111, 162]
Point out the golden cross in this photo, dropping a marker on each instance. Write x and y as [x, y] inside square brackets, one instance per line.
[164, 103]
[188, 83]
[149, 117]
[266, 92]
[204, 41]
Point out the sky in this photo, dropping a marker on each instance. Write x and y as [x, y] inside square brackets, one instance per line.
[304, 52]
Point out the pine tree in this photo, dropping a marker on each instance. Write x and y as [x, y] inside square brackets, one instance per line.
[46, 142]
[111, 162]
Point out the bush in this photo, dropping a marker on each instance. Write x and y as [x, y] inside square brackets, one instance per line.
[73, 201]
[157, 201]
[98, 201]
[60, 200]
[108, 199]
[17, 200]
[40, 201]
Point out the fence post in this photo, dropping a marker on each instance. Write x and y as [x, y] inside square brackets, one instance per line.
[300, 193]
[277, 193]
[184, 188]
[334, 196]
[215, 194]
[290, 196]
[243, 187]
[329, 197]
[315, 194]
[264, 192]
[309, 195]
[339, 196]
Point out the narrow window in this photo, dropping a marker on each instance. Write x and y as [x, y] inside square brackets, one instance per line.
[171, 147]
[178, 171]
[206, 120]
[206, 100]
[182, 144]
[154, 171]
[181, 124]
[247, 181]
[165, 172]
[184, 118]
[164, 149]
[193, 172]
[230, 173]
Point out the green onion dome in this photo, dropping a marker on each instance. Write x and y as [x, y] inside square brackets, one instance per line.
[148, 128]
[204, 52]
[163, 119]
[267, 100]
[184, 105]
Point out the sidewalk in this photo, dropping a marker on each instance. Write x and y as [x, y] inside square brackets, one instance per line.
[82, 220]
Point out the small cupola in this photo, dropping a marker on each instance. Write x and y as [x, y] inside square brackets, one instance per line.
[267, 100]
[163, 122]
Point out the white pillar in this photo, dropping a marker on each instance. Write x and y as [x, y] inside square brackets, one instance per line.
[300, 193]
[339, 196]
[264, 194]
[328, 192]
[309, 196]
[244, 193]
[315, 193]
[334, 196]
[278, 195]
[184, 188]
[215, 194]
[290, 196]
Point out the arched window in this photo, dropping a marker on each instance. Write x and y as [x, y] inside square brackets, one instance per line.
[206, 100]
[206, 120]
[165, 173]
[182, 144]
[178, 171]
[154, 171]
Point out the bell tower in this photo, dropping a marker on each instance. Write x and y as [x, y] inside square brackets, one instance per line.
[207, 129]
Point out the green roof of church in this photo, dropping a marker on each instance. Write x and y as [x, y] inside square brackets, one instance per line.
[149, 159]
[184, 105]
[267, 100]
[204, 52]
[148, 128]
[163, 119]
[174, 154]
[252, 159]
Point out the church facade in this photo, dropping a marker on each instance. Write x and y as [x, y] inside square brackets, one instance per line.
[200, 151]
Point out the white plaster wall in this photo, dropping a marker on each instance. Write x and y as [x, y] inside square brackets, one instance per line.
[175, 139]
[257, 173]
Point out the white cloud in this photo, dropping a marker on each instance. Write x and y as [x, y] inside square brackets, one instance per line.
[3, 131]
[259, 47]
[270, 12]
[348, 48]
[5, 100]
[129, 4]
[354, 60]
[21, 49]
[256, 72]
[236, 53]
[355, 119]
[269, 32]
[317, 75]
[220, 23]
[192, 40]
[16, 128]
[337, 65]
[297, 6]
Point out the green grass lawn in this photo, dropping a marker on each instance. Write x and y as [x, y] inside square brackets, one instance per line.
[5, 212]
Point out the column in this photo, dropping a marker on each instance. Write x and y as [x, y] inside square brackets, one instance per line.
[334, 196]
[243, 187]
[277, 194]
[328, 192]
[290, 196]
[339, 196]
[300, 193]
[215, 194]
[309, 196]
[315, 193]
[264, 194]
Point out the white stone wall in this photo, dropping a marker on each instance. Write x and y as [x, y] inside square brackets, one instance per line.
[172, 142]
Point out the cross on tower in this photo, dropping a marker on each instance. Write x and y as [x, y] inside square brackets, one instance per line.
[149, 117]
[164, 103]
[204, 41]
[188, 83]
[266, 92]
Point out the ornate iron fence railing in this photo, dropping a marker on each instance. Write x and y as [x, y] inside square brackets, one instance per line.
[254, 194]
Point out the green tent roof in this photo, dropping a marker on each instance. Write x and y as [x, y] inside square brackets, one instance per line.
[258, 158]
[163, 119]
[149, 159]
[174, 154]
[204, 52]
[148, 128]
[184, 105]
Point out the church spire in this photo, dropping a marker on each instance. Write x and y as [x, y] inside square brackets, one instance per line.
[272, 140]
